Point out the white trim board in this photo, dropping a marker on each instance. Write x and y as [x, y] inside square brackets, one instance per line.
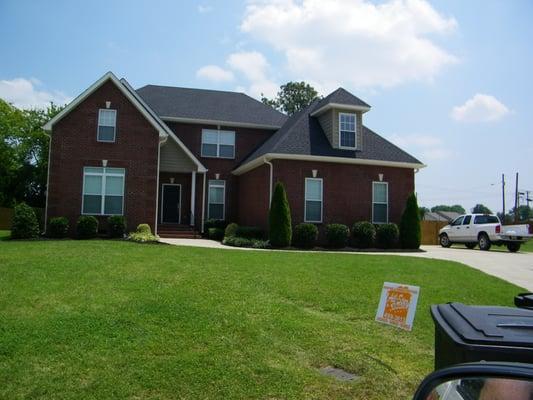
[342, 107]
[220, 122]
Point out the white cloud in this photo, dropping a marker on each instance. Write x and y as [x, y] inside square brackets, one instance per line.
[426, 147]
[355, 42]
[204, 8]
[23, 93]
[214, 73]
[254, 67]
[480, 108]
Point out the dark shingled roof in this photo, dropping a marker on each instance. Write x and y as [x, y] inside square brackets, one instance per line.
[215, 105]
[341, 96]
[302, 134]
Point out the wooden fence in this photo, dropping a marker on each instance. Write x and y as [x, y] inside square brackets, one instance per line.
[430, 231]
[6, 217]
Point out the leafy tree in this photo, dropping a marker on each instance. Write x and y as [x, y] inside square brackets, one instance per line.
[455, 208]
[410, 233]
[292, 97]
[523, 213]
[279, 218]
[481, 209]
[422, 211]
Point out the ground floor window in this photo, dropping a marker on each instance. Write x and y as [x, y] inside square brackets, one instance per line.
[313, 200]
[380, 203]
[216, 199]
[103, 191]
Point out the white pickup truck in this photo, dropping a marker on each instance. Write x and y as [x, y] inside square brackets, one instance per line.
[484, 230]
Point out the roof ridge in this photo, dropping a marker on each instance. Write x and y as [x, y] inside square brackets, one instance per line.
[191, 88]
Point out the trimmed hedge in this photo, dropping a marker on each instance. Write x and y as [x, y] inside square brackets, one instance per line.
[337, 235]
[363, 235]
[231, 229]
[215, 234]
[25, 224]
[279, 218]
[410, 233]
[58, 227]
[143, 228]
[250, 232]
[304, 235]
[87, 227]
[215, 223]
[116, 226]
[236, 241]
[387, 236]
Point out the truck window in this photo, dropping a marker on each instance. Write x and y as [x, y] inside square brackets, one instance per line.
[467, 219]
[485, 219]
[458, 221]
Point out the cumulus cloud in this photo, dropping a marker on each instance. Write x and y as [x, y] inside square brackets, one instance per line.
[24, 93]
[356, 41]
[480, 108]
[214, 73]
[425, 147]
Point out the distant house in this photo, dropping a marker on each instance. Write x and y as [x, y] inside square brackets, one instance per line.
[174, 157]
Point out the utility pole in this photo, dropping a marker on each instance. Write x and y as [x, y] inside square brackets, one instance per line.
[516, 199]
[503, 198]
[528, 199]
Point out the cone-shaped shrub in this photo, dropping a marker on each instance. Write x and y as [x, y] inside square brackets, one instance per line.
[410, 224]
[279, 218]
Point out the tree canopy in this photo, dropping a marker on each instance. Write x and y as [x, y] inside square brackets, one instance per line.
[481, 209]
[456, 208]
[292, 97]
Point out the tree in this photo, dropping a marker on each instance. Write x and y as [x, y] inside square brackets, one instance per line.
[410, 233]
[523, 213]
[422, 211]
[292, 97]
[279, 218]
[481, 209]
[455, 208]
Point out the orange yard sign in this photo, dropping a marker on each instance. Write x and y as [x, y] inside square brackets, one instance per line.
[397, 305]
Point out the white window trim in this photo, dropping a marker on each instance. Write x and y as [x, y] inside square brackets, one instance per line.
[321, 200]
[223, 186]
[163, 199]
[218, 131]
[379, 202]
[102, 195]
[355, 131]
[114, 127]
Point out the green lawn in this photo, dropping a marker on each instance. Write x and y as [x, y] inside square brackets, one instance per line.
[4, 235]
[111, 319]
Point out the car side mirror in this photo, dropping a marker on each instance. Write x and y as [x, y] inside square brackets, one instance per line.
[479, 381]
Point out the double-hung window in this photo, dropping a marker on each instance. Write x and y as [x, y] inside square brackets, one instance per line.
[313, 200]
[107, 125]
[216, 199]
[347, 131]
[380, 203]
[103, 191]
[219, 144]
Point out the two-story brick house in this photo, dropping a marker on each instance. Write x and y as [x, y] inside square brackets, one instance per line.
[174, 157]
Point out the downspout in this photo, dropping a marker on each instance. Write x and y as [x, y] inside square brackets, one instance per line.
[161, 141]
[47, 183]
[203, 204]
[265, 160]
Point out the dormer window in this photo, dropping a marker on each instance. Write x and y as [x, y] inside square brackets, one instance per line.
[107, 124]
[347, 131]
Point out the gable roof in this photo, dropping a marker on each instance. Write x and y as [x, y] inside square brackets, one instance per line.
[340, 98]
[210, 107]
[302, 137]
[163, 130]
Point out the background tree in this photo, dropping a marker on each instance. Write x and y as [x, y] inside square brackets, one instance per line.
[523, 213]
[481, 209]
[292, 97]
[455, 208]
[279, 218]
[422, 211]
[410, 233]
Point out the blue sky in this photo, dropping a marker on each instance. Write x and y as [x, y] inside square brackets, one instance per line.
[450, 81]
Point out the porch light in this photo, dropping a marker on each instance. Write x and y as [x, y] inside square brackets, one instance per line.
[171, 180]
[315, 172]
[107, 104]
[104, 163]
[380, 177]
[217, 176]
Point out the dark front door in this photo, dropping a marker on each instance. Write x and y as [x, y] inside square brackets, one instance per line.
[171, 197]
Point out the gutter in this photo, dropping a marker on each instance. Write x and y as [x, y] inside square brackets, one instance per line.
[265, 160]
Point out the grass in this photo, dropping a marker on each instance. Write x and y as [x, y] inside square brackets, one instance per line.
[112, 319]
[526, 247]
[4, 235]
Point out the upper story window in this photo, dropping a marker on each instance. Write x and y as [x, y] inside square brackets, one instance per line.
[347, 131]
[219, 144]
[107, 124]
[103, 191]
[313, 200]
[380, 203]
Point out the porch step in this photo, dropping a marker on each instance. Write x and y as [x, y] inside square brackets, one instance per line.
[176, 231]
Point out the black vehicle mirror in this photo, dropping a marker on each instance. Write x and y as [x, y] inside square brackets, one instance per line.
[479, 381]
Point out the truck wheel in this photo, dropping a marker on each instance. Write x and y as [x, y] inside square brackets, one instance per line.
[513, 247]
[444, 240]
[470, 245]
[484, 242]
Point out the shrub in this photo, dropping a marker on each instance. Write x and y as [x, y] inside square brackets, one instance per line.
[116, 225]
[337, 235]
[215, 234]
[410, 224]
[39, 214]
[236, 241]
[279, 218]
[305, 235]
[58, 227]
[25, 224]
[250, 232]
[363, 234]
[87, 227]
[143, 234]
[231, 230]
[143, 228]
[215, 223]
[387, 236]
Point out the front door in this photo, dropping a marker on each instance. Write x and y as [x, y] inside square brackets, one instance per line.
[171, 199]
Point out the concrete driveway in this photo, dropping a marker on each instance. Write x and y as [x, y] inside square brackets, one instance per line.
[516, 268]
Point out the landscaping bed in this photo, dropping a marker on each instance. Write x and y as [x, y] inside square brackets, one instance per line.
[112, 319]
